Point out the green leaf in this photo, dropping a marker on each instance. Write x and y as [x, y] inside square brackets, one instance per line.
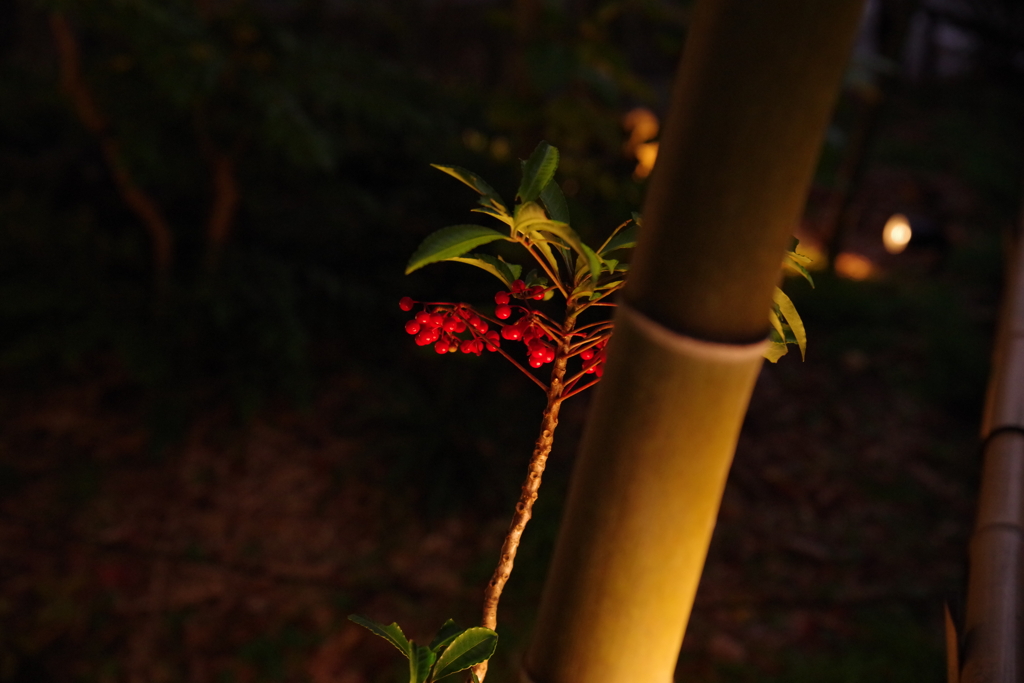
[475, 679]
[773, 318]
[795, 265]
[420, 663]
[494, 213]
[554, 202]
[446, 243]
[534, 279]
[624, 239]
[393, 633]
[775, 351]
[792, 319]
[506, 272]
[490, 197]
[538, 170]
[445, 636]
[569, 237]
[472, 646]
[593, 264]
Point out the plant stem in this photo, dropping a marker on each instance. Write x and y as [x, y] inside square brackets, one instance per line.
[528, 495]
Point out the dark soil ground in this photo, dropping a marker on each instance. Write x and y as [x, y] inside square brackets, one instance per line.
[236, 553]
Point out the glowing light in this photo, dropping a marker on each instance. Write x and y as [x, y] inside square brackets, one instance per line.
[642, 125]
[854, 266]
[646, 155]
[896, 233]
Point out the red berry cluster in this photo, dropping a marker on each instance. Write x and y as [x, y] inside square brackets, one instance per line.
[593, 358]
[441, 324]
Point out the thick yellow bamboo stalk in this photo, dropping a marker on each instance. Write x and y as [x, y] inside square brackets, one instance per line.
[993, 640]
[757, 84]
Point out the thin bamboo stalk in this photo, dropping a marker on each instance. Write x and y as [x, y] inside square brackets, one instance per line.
[757, 84]
[992, 641]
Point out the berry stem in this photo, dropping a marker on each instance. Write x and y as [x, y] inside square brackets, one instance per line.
[513, 361]
[578, 390]
[528, 494]
[547, 269]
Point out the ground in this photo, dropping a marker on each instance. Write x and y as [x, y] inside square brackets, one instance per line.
[235, 553]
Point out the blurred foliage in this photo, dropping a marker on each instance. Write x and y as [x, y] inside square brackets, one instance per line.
[329, 116]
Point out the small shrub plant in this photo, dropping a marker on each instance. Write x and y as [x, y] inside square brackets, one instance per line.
[551, 315]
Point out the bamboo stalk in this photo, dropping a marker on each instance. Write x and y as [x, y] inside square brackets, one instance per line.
[992, 640]
[755, 90]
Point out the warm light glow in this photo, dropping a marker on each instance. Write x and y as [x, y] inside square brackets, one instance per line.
[646, 155]
[896, 233]
[854, 266]
[642, 125]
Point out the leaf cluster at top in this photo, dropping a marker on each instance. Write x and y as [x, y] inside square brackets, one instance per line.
[539, 221]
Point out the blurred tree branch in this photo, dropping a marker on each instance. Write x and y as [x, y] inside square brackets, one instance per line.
[137, 199]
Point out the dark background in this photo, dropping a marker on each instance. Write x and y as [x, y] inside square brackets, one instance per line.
[206, 464]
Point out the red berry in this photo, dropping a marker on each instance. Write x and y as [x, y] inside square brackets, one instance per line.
[424, 338]
[511, 332]
[460, 326]
[423, 318]
[518, 287]
[441, 346]
[451, 325]
[501, 298]
[412, 327]
[535, 362]
[588, 354]
[599, 370]
[503, 311]
[406, 304]
[436, 320]
[535, 293]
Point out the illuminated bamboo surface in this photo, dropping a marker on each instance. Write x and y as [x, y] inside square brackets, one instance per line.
[756, 87]
[992, 636]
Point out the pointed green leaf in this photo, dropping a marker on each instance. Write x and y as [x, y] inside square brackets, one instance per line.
[773, 318]
[775, 351]
[623, 239]
[446, 635]
[593, 264]
[494, 213]
[489, 196]
[795, 265]
[472, 646]
[569, 237]
[534, 278]
[798, 268]
[792, 319]
[446, 243]
[420, 662]
[554, 202]
[537, 171]
[506, 272]
[393, 633]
